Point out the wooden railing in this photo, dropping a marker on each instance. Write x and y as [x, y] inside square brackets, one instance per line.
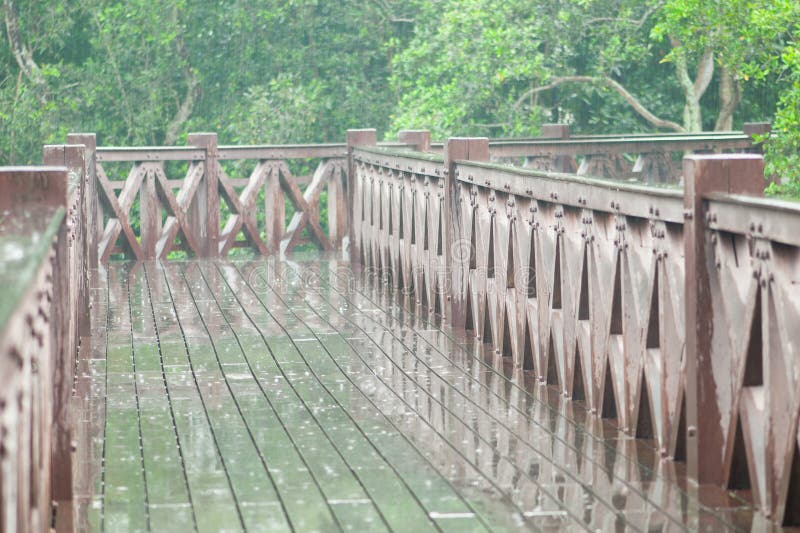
[647, 158]
[207, 211]
[673, 311]
[43, 314]
[630, 298]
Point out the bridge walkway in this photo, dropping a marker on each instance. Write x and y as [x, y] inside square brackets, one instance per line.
[264, 395]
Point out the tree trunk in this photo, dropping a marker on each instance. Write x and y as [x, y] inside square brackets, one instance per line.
[729, 97]
[693, 90]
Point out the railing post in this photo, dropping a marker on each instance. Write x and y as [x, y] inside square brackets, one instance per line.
[559, 163]
[355, 138]
[30, 365]
[704, 174]
[92, 212]
[204, 212]
[457, 149]
[555, 131]
[756, 128]
[71, 319]
[420, 140]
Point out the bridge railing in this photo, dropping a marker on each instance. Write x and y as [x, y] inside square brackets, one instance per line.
[43, 314]
[647, 158]
[206, 200]
[671, 310]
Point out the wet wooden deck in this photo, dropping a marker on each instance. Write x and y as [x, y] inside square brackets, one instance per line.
[269, 396]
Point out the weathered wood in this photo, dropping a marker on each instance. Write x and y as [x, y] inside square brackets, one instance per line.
[92, 210]
[149, 211]
[418, 140]
[36, 317]
[363, 137]
[457, 214]
[302, 206]
[707, 420]
[71, 285]
[204, 213]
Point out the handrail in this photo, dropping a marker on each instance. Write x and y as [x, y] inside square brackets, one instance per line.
[42, 314]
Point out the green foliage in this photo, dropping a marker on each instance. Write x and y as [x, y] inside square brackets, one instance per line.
[138, 72]
[293, 71]
[783, 148]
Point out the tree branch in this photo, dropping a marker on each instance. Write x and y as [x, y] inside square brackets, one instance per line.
[636, 23]
[630, 99]
[705, 71]
[22, 54]
[193, 91]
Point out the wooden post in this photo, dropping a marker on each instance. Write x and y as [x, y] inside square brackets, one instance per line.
[419, 140]
[30, 370]
[337, 208]
[704, 174]
[204, 212]
[555, 131]
[355, 138]
[274, 211]
[70, 319]
[457, 149]
[558, 163]
[756, 128]
[92, 212]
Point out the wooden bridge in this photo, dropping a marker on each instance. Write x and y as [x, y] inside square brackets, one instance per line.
[559, 333]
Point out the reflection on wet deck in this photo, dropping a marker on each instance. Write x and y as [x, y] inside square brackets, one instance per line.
[273, 396]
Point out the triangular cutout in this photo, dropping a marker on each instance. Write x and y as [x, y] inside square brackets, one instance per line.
[414, 229]
[363, 203]
[389, 223]
[609, 401]
[791, 514]
[616, 300]
[578, 390]
[739, 478]
[557, 277]
[532, 267]
[424, 295]
[653, 322]
[440, 233]
[644, 422]
[754, 362]
[437, 303]
[380, 212]
[510, 267]
[473, 254]
[469, 323]
[680, 444]
[490, 264]
[552, 369]
[425, 243]
[583, 297]
[527, 350]
[487, 326]
[507, 335]
[400, 230]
